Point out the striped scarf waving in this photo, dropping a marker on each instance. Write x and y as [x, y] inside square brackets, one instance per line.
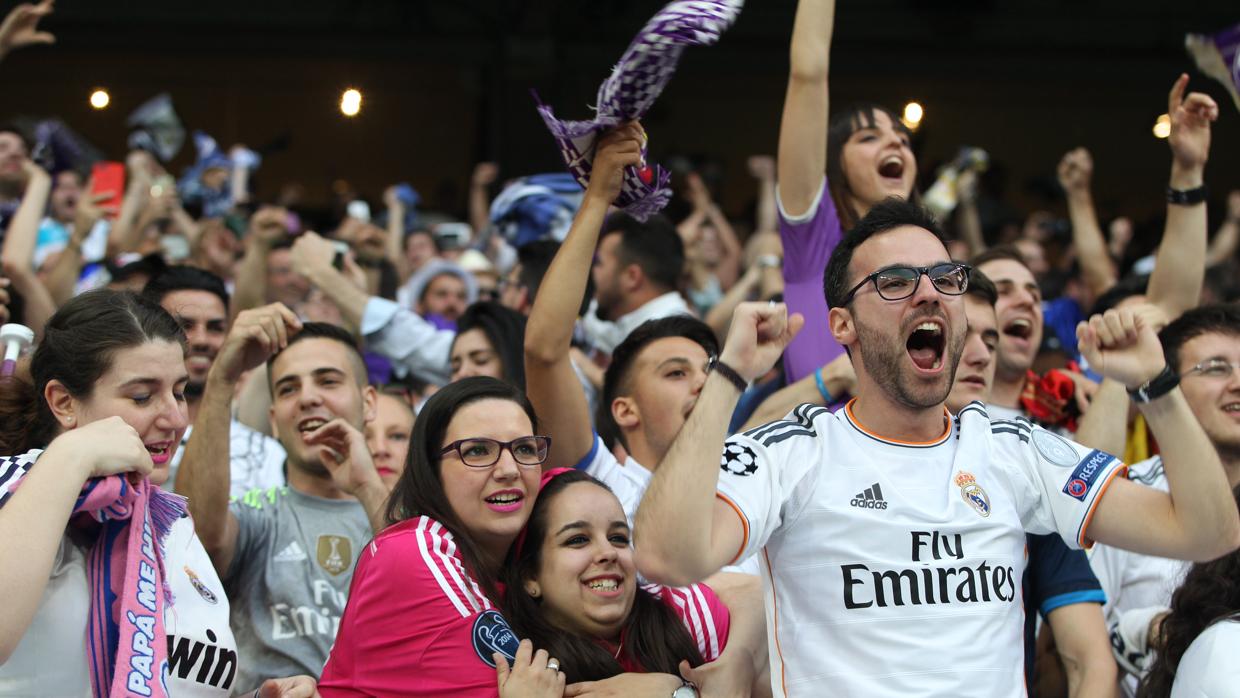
[125, 640]
[637, 80]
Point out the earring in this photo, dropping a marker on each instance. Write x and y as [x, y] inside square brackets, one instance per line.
[533, 590]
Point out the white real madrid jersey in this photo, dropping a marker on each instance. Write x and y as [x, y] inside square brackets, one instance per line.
[892, 568]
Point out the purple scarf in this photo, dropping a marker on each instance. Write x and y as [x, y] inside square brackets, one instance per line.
[636, 81]
[1219, 57]
[126, 646]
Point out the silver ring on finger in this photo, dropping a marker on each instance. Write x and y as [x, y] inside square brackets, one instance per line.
[553, 664]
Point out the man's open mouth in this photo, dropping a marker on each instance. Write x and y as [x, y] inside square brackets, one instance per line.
[925, 345]
[1021, 328]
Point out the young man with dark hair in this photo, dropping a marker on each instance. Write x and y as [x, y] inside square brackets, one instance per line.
[1203, 347]
[1058, 583]
[918, 582]
[199, 301]
[286, 554]
[651, 383]
[636, 270]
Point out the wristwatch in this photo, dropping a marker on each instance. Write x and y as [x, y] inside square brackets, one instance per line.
[1156, 387]
[687, 690]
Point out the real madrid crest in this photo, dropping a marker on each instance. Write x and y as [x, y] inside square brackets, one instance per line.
[201, 588]
[972, 493]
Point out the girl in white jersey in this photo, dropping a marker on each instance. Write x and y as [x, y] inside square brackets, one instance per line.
[107, 398]
[1200, 638]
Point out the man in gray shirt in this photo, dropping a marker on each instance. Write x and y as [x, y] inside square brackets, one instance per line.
[286, 554]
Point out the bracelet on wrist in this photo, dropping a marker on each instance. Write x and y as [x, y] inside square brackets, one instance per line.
[822, 387]
[726, 371]
[1187, 197]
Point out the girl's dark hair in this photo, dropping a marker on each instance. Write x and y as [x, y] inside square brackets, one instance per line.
[653, 635]
[1210, 594]
[505, 330]
[419, 490]
[79, 343]
[841, 127]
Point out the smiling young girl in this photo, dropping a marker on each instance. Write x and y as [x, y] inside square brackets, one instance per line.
[571, 588]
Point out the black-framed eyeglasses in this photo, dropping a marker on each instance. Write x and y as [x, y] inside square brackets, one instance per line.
[1214, 369]
[527, 451]
[896, 283]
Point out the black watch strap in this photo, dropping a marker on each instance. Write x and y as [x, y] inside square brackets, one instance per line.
[1187, 197]
[1156, 387]
[717, 366]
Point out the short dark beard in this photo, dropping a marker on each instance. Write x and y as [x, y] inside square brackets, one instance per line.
[882, 357]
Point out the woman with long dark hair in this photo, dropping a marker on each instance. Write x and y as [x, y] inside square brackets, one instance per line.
[107, 588]
[830, 173]
[1199, 652]
[421, 618]
[571, 587]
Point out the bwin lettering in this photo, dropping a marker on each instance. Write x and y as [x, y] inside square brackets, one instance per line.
[217, 668]
[984, 583]
[288, 622]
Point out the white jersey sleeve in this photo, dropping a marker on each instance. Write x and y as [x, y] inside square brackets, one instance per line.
[1058, 483]
[761, 470]
[628, 480]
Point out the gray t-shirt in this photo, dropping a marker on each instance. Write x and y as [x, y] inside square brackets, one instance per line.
[289, 580]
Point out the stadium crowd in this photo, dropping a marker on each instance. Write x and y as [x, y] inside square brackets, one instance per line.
[872, 441]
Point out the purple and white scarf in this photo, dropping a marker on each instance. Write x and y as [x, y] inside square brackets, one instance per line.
[126, 646]
[1219, 57]
[636, 81]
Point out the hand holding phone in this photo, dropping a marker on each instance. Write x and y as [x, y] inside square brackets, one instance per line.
[108, 177]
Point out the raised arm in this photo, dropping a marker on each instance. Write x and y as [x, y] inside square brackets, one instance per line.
[549, 379]
[803, 130]
[1075, 171]
[1179, 267]
[681, 495]
[23, 230]
[1227, 239]
[762, 167]
[268, 226]
[125, 233]
[395, 242]
[204, 476]
[838, 379]
[21, 27]
[63, 272]
[483, 176]
[1197, 519]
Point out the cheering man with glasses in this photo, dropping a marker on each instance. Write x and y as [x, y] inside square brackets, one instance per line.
[1203, 345]
[892, 534]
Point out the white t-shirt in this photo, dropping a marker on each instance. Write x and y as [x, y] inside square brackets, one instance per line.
[893, 568]
[1133, 581]
[256, 461]
[628, 482]
[1210, 668]
[51, 658]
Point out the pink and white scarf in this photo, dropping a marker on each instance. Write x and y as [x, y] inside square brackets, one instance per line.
[126, 647]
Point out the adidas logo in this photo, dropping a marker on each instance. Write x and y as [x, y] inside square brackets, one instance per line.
[291, 553]
[871, 498]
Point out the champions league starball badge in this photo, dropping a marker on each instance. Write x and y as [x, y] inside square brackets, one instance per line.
[739, 459]
[1054, 448]
[972, 493]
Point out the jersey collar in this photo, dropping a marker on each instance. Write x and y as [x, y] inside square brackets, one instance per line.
[856, 424]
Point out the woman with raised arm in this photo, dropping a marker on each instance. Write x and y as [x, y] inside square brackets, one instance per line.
[105, 580]
[829, 175]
